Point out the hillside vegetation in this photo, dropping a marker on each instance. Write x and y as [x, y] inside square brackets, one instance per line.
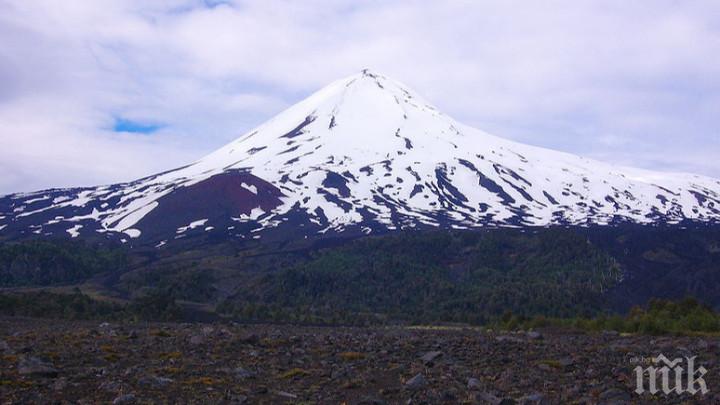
[459, 277]
[433, 276]
[49, 262]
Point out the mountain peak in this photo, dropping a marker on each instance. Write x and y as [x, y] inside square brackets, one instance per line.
[370, 84]
[366, 112]
[379, 79]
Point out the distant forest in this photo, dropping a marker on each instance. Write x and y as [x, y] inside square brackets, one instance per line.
[500, 276]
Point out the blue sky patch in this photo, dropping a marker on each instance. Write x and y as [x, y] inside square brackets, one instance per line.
[215, 3]
[137, 127]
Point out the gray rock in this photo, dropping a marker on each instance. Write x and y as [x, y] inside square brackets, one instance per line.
[487, 398]
[197, 340]
[544, 367]
[163, 381]
[534, 335]
[474, 384]
[60, 384]
[507, 338]
[106, 329]
[533, 399]
[339, 373]
[242, 373]
[4, 347]
[155, 381]
[35, 367]
[130, 371]
[238, 399]
[286, 394]
[506, 380]
[566, 362]
[416, 382]
[124, 399]
[111, 386]
[429, 357]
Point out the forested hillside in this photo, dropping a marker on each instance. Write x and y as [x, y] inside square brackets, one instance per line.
[420, 276]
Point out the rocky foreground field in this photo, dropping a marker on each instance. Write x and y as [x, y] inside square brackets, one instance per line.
[46, 361]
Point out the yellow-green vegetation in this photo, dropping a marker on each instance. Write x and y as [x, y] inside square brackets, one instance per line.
[268, 342]
[659, 317]
[351, 356]
[112, 357]
[52, 355]
[16, 383]
[160, 333]
[111, 353]
[170, 356]
[551, 363]
[204, 381]
[294, 373]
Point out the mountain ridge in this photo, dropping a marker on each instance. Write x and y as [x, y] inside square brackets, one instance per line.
[369, 155]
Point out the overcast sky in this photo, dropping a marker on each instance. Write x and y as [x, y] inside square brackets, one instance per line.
[94, 92]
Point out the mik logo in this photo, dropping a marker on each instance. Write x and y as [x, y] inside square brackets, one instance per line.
[671, 373]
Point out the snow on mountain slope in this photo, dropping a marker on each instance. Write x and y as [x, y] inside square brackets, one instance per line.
[366, 152]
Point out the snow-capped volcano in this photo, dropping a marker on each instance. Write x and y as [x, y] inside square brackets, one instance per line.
[365, 153]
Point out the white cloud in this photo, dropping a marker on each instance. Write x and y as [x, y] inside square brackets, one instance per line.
[633, 83]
